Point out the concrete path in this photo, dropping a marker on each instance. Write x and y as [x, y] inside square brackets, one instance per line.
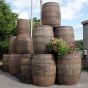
[8, 81]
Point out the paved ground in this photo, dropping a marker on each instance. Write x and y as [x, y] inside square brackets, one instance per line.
[8, 81]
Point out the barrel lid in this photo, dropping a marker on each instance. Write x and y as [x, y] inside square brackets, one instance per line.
[64, 26]
[50, 3]
[23, 19]
[84, 22]
[44, 26]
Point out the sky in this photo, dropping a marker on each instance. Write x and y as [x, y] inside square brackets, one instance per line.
[73, 12]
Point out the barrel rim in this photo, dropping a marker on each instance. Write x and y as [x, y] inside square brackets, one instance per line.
[75, 52]
[24, 35]
[23, 19]
[46, 55]
[15, 54]
[42, 54]
[64, 27]
[50, 2]
[9, 54]
[44, 26]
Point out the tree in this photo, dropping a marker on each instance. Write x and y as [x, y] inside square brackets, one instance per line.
[36, 22]
[79, 44]
[7, 25]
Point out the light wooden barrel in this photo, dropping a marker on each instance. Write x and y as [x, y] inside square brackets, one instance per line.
[5, 62]
[41, 37]
[23, 27]
[69, 69]
[66, 33]
[24, 44]
[26, 73]
[12, 45]
[14, 64]
[51, 14]
[43, 70]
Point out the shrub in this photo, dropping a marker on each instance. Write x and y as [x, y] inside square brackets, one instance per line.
[59, 46]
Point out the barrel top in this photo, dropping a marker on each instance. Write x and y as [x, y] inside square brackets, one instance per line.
[23, 20]
[43, 54]
[45, 26]
[49, 3]
[64, 27]
[84, 22]
[75, 53]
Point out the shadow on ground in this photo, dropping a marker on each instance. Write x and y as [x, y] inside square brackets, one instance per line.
[9, 81]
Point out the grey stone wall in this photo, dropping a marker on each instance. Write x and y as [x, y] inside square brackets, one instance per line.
[85, 36]
[85, 44]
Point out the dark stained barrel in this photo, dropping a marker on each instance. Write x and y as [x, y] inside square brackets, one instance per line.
[24, 44]
[6, 62]
[26, 75]
[43, 70]
[85, 62]
[41, 37]
[66, 33]
[68, 69]
[23, 26]
[14, 64]
[51, 14]
[12, 45]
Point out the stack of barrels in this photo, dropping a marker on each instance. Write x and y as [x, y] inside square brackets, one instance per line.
[40, 66]
[68, 67]
[18, 62]
[43, 62]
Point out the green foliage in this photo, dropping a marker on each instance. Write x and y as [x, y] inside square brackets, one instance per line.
[36, 22]
[79, 44]
[59, 46]
[4, 46]
[7, 25]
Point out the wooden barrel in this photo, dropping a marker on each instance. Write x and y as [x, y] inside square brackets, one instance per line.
[24, 44]
[68, 69]
[43, 70]
[14, 64]
[51, 14]
[23, 26]
[41, 37]
[66, 33]
[85, 62]
[6, 62]
[12, 45]
[26, 76]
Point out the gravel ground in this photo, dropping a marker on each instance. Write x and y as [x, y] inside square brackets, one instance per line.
[8, 81]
